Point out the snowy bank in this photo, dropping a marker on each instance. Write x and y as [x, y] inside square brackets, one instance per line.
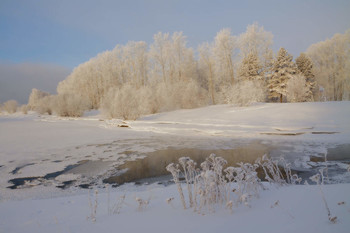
[34, 146]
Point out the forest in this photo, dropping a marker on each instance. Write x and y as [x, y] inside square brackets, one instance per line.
[138, 79]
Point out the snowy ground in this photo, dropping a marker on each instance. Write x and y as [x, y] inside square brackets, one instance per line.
[33, 146]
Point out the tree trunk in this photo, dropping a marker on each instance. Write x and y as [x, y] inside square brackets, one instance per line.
[281, 98]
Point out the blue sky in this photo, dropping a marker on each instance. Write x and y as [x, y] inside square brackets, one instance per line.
[66, 33]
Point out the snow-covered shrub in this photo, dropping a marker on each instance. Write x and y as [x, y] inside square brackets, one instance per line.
[24, 109]
[179, 95]
[69, 105]
[10, 106]
[187, 95]
[44, 105]
[297, 90]
[35, 98]
[244, 93]
[128, 102]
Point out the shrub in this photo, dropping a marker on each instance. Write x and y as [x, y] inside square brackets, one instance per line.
[130, 102]
[122, 103]
[35, 98]
[44, 105]
[182, 94]
[244, 93]
[69, 105]
[24, 109]
[10, 106]
[189, 95]
[296, 89]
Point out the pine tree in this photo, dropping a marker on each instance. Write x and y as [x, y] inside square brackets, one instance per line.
[304, 65]
[283, 69]
[250, 68]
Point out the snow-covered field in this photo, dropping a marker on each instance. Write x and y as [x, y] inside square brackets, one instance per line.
[34, 146]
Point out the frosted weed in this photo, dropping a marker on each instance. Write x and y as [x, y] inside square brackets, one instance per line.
[213, 186]
[93, 206]
[142, 204]
[318, 179]
[277, 204]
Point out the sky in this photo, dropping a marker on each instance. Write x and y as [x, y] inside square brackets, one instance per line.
[54, 36]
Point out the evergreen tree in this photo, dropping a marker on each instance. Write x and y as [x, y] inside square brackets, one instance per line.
[304, 65]
[250, 68]
[283, 69]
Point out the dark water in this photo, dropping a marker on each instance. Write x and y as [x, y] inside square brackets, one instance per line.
[21, 181]
[151, 169]
[15, 171]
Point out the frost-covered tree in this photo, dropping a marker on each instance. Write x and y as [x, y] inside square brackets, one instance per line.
[93, 79]
[171, 60]
[298, 89]
[207, 66]
[255, 40]
[283, 69]
[159, 53]
[224, 50]
[304, 65]
[182, 61]
[162, 77]
[35, 98]
[250, 68]
[331, 59]
[135, 60]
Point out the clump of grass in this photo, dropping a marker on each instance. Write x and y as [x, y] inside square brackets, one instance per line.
[214, 184]
[273, 172]
[209, 186]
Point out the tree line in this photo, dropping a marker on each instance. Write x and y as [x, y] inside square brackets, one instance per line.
[137, 79]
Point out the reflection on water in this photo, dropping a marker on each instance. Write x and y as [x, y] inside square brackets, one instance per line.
[154, 164]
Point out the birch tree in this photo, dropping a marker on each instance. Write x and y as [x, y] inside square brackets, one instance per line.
[256, 41]
[224, 50]
[331, 59]
[207, 65]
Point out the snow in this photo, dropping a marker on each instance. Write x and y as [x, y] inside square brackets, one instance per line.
[32, 145]
[300, 209]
